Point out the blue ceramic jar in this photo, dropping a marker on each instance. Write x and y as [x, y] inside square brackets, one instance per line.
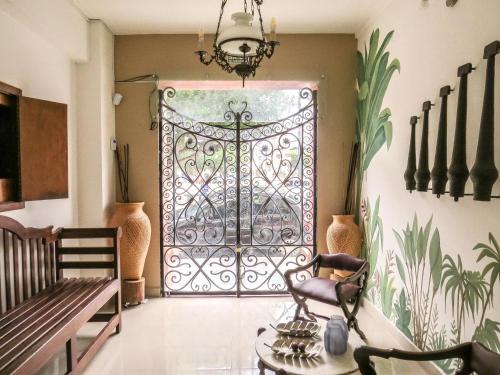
[336, 335]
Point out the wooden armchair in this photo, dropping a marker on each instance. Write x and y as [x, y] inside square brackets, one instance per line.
[336, 293]
[474, 355]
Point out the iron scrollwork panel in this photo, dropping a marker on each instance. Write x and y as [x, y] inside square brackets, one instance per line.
[208, 171]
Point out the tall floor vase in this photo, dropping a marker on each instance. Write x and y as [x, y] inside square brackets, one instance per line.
[343, 236]
[134, 245]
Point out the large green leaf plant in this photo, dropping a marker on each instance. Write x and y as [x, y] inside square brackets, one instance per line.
[373, 125]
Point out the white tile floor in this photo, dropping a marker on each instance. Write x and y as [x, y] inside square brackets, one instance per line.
[183, 336]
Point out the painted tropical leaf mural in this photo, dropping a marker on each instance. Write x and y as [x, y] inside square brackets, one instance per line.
[489, 334]
[466, 290]
[373, 239]
[403, 315]
[419, 265]
[488, 331]
[373, 125]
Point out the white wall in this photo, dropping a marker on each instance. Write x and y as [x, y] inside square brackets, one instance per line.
[96, 126]
[431, 41]
[43, 71]
[50, 51]
[57, 21]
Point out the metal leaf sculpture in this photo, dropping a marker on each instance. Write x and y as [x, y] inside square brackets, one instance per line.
[284, 347]
[298, 328]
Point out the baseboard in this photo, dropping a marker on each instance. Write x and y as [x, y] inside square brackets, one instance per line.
[404, 342]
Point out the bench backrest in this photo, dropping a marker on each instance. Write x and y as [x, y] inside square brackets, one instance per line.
[27, 262]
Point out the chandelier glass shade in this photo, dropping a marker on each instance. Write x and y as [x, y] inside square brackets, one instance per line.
[241, 47]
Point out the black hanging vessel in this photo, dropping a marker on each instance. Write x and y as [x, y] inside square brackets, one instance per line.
[439, 172]
[458, 173]
[423, 173]
[411, 166]
[484, 173]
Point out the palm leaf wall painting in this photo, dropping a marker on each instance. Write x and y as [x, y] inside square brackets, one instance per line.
[420, 265]
[488, 331]
[373, 125]
[465, 289]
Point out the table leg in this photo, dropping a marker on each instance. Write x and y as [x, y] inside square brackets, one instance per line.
[262, 367]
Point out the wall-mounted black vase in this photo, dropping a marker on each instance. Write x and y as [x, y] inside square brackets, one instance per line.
[439, 172]
[458, 172]
[423, 174]
[411, 166]
[484, 173]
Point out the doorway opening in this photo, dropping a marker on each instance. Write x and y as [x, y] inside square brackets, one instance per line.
[237, 188]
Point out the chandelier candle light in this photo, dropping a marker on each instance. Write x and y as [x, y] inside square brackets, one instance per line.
[240, 48]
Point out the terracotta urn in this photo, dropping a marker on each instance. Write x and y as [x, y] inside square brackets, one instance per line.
[136, 234]
[343, 236]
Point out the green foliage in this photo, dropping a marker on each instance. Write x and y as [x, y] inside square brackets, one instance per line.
[403, 315]
[419, 265]
[493, 267]
[210, 105]
[387, 289]
[436, 260]
[488, 334]
[373, 127]
[373, 238]
[466, 289]
[437, 341]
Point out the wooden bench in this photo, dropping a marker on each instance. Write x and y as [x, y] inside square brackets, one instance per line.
[40, 310]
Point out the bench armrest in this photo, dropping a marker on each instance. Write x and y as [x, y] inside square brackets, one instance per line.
[111, 234]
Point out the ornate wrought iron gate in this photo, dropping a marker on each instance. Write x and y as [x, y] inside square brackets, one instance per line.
[238, 203]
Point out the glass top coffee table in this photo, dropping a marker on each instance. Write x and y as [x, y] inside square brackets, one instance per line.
[324, 364]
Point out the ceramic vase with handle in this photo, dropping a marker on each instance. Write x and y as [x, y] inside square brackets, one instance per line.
[136, 234]
[336, 335]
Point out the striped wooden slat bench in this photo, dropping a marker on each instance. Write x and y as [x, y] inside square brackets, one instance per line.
[41, 311]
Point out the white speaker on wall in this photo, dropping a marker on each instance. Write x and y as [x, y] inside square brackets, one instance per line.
[117, 98]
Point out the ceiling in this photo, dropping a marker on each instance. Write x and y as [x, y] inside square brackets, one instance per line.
[190, 16]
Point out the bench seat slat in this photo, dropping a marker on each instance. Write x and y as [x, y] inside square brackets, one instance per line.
[91, 289]
[33, 355]
[12, 334]
[32, 303]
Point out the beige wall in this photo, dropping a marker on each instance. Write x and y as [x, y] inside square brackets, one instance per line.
[326, 59]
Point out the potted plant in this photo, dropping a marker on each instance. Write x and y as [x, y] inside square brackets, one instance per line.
[136, 234]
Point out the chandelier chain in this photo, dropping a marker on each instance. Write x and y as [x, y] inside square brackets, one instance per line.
[261, 22]
[223, 5]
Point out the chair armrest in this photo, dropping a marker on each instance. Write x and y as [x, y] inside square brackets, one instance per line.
[363, 353]
[365, 269]
[354, 279]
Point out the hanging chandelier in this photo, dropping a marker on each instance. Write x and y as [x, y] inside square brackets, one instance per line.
[240, 48]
